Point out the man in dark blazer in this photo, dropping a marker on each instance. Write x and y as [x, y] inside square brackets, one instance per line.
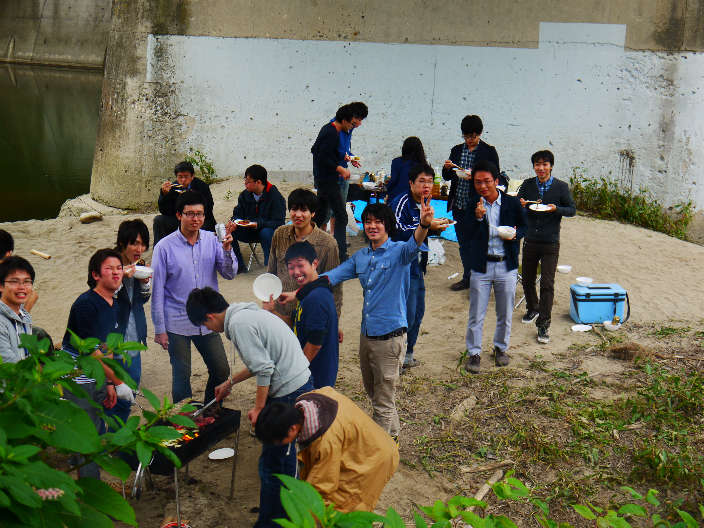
[462, 193]
[542, 243]
[493, 261]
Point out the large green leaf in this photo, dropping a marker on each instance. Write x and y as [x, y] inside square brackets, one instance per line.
[305, 492]
[420, 522]
[74, 430]
[170, 455]
[20, 491]
[89, 518]
[144, 453]
[4, 500]
[22, 452]
[151, 397]
[162, 432]
[93, 369]
[357, 519]
[632, 509]
[103, 498]
[15, 424]
[688, 519]
[180, 419]
[114, 465]
[584, 512]
[393, 519]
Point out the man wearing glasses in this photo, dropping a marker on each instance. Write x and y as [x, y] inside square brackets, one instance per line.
[186, 259]
[16, 281]
[259, 211]
[462, 193]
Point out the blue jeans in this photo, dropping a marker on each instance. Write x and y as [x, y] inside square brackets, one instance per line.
[122, 408]
[276, 459]
[213, 353]
[263, 236]
[415, 310]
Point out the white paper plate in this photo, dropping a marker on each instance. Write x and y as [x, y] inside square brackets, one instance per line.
[584, 281]
[266, 285]
[611, 327]
[243, 223]
[221, 454]
[538, 208]
[564, 268]
[506, 232]
[512, 193]
[581, 328]
[369, 185]
[142, 272]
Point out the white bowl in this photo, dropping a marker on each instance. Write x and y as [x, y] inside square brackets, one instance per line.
[564, 268]
[584, 281]
[221, 454]
[610, 326]
[142, 272]
[266, 285]
[512, 193]
[506, 232]
[461, 173]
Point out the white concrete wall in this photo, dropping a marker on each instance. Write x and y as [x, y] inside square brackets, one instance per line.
[580, 94]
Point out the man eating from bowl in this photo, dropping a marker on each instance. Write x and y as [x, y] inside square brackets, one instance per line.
[406, 208]
[542, 243]
[186, 259]
[259, 211]
[493, 262]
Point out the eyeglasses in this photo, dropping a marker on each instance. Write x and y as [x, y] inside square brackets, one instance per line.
[16, 282]
[425, 182]
[470, 136]
[193, 214]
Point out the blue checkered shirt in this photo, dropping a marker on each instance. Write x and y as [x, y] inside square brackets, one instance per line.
[543, 187]
[464, 187]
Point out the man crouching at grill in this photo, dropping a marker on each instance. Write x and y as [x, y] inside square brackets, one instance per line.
[344, 454]
[271, 352]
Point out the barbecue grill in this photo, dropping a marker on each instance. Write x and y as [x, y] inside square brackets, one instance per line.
[226, 423]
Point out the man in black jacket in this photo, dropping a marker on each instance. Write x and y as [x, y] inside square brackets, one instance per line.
[166, 223]
[542, 243]
[462, 193]
[327, 172]
[493, 261]
[264, 209]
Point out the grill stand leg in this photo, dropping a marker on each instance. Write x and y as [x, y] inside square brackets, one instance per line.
[234, 462]
[178, 501]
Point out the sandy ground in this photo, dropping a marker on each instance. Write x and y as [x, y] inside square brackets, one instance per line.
[661, 274]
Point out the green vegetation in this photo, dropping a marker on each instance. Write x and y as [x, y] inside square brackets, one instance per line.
[40, 433]
[606, 199]
[201, 162]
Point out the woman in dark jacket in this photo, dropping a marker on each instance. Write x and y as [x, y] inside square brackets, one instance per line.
[412, 153]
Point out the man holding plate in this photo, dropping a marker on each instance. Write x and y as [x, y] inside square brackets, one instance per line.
[546, 200]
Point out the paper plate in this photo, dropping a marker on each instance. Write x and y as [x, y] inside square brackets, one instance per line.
[243, 223]
[581, 328]
[143, 272]
[538, 208]
[369, 185]
[221, 454]
[462, 174]
[266, 285]
[584, 281]
[506, 232]
[564, 268]
[512, 193]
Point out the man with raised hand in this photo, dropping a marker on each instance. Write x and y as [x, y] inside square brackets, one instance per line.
[542, 242]
[272, 354]
[186, 259]
[406, 208]
[493, 262]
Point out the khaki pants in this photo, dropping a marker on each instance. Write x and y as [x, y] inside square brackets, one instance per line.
[380, 362]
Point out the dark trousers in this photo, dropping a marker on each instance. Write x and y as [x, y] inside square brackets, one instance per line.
[163, 225]
[545, 254]
[247, 234]
[330, 198]
[276, 459]
[460, 216]
[97, 395]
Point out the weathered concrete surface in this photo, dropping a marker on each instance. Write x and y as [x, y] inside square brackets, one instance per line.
[589, 95]
[54, 32]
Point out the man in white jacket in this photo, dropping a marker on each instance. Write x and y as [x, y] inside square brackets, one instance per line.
[16, 283]
[271, 352]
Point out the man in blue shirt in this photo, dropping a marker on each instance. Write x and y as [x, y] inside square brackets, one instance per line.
[383, 271]
[406, 208]
[493, 260]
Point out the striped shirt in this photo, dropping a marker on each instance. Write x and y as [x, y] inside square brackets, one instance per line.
[311, 419]
[464, 187]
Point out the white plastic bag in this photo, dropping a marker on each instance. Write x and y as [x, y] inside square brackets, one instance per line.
[436, 252]
[352, 227]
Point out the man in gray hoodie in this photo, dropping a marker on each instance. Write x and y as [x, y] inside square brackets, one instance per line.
[16, 283]
[271, 352]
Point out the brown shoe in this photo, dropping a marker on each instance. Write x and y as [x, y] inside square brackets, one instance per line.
[460, 285]
[501, 359]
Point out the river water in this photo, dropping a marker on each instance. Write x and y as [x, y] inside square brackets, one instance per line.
[49, 121]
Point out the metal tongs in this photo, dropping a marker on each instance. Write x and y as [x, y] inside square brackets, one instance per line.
[200, 411]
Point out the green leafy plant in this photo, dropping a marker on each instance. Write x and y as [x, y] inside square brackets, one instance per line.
[40, 433]
[203, 164]
[604, 198]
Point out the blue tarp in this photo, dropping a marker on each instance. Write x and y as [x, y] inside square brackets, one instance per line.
[440, 207]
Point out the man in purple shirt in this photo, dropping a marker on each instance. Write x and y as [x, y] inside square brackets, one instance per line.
[186, 259]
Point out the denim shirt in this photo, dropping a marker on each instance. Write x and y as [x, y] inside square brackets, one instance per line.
[384, 276]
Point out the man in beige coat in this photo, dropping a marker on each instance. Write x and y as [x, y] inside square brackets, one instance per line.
[344, 454]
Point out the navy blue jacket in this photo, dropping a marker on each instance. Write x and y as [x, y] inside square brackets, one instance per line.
[398, 184]
[510, 214]
[484, 151]
[124, 307]
[269, 211]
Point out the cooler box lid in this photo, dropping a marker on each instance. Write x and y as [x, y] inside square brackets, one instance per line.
[596, 291]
